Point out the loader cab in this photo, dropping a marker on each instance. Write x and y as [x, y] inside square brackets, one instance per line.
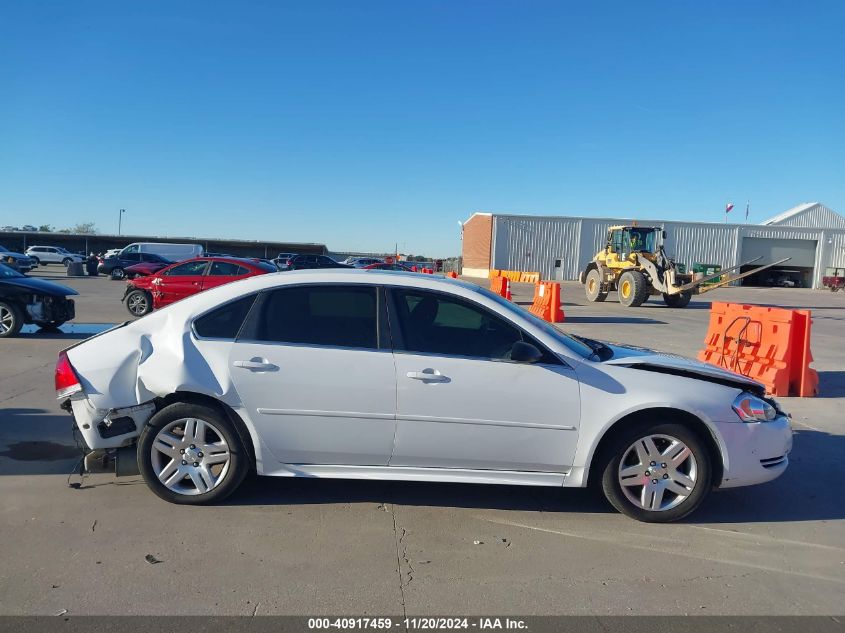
[624, 240]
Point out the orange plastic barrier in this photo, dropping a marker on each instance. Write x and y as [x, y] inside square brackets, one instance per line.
[770, 345]
[516, 275]
[452, 275]
[547, 302]
[501, 286]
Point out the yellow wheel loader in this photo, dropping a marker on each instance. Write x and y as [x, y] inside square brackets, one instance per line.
[634, 264]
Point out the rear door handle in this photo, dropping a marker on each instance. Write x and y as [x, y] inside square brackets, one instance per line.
[256, 364]
[428, 375]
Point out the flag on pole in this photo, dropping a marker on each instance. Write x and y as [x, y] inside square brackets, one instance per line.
[729, 207]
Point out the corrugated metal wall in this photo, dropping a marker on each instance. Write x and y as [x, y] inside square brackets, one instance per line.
[534, 243]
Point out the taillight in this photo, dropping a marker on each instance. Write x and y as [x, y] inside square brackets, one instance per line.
[67, 382]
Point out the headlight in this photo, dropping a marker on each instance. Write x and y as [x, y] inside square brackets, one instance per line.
[750, 408]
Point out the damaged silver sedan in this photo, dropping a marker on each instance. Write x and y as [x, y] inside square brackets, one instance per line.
[364, 374]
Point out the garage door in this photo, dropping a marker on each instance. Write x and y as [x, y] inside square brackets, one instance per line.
[802, 252]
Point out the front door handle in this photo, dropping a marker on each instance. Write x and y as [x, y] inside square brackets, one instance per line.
[256, 364]
[428, 375]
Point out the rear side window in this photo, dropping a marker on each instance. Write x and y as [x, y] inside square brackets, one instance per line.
[227, 269]
[225, 321]
[339, 316]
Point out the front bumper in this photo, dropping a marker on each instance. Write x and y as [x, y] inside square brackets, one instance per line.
[756, 452]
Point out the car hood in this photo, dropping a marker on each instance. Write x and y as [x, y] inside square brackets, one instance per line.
[40, 286]
[661, 362]
[13, 254]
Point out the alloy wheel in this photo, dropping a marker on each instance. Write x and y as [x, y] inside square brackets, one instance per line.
[657, 472]
[190, 456]
[138, 304]
[7, 319]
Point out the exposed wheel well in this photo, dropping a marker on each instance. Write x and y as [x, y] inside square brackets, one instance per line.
[663, 414]
[190, 397]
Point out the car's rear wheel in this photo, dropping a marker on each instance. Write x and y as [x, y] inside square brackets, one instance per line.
[191, 454]
[657, 473]
[118, 273]
[11, 319]
[67, 261]
[139, 303]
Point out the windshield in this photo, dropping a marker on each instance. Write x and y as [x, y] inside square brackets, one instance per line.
[8, 273]
[643, 240]
[572, 343]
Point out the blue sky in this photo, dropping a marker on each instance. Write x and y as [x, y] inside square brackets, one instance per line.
[360, 124]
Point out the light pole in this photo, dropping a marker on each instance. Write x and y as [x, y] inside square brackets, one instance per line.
[120, 220]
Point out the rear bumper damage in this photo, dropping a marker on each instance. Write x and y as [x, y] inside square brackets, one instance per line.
[110, 435]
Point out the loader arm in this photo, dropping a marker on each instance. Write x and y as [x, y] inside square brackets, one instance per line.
[732, 279]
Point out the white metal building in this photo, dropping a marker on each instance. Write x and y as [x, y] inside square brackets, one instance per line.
[811, 234]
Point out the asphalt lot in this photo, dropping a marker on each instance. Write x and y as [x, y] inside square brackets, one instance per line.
[318, 547]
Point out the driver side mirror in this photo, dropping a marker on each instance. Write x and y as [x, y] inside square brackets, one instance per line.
[523, 352]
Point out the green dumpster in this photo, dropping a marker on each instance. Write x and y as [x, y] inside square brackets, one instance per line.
[705, 270]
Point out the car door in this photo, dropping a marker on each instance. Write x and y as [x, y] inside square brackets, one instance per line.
[129, 259]
[461, 403]
[314, 370]
[179, 281]
[222, 272]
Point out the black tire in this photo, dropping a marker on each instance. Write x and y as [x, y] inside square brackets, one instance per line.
[67, 261]
[680, 300]
[35, 260]
[139, 303]
[609, 468]
[117, 273]
[593, 286]
[11, 319]
[235, 472]
[632, 289]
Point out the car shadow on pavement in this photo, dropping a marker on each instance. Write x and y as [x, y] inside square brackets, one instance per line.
[36, 442]
[795, 496]
[807, 491]
[284, 491]
[831, 384]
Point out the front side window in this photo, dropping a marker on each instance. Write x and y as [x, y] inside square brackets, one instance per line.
[339, 316]
[189, 269]
[132, 257]
[224, 322]
[434, 323]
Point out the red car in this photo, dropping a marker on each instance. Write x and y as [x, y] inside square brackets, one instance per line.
[180, 280]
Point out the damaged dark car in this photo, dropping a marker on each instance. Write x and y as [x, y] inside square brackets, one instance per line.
[25, 300]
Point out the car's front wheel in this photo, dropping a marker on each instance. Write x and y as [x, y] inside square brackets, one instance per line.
[67, 261]
[35, 260]
[657, 473]
[191, 454]
[11, 319]
[139, 303]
